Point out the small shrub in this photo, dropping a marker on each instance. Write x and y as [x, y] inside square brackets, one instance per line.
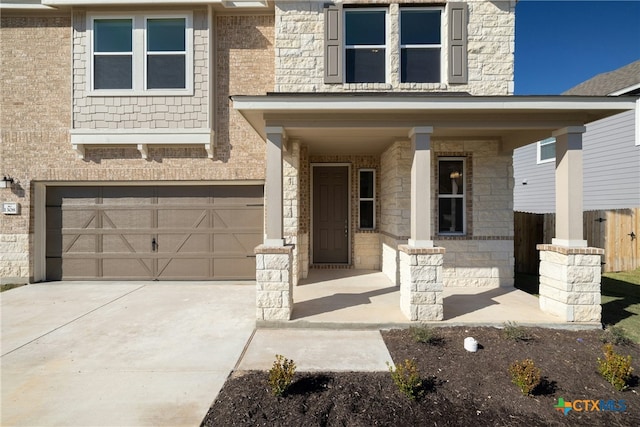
[615, 335]
[407, 377]
[514, 332]
[425, 335]
[281, 375]
[615, 368]
[526, 375]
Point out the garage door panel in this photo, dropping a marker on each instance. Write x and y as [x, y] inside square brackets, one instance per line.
[127, 268]
[184, 268]
[79, 268]
[77, 219]
[127, 219]
[184, 243]
[126, 243]
[183, 218]
[200, 232]
[239, 218]
[79, 243]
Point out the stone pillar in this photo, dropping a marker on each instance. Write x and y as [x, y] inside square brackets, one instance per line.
[570, 282]
[569, 187]
[421, 283]
[274, 293]
[274, 229]
[421, 187]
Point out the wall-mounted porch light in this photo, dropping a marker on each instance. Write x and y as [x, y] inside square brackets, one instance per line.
[6, 182]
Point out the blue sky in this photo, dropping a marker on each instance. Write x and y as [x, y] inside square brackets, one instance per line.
[561, 43]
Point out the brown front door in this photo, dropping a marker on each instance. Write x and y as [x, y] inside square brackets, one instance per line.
[331, 214]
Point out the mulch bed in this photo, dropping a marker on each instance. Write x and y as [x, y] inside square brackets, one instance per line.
[460, 388]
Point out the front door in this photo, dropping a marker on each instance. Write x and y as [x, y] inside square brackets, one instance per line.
[331, 214]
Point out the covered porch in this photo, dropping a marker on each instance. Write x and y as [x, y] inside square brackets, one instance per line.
[442, 205]
[349, 298]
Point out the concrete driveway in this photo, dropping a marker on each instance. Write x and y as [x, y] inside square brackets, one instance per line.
[119, 353]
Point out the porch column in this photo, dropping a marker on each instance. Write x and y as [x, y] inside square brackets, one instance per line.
[274, 260]
[420, 263]
[274, 229]
[421, 187]
[570, 272]
[569, 187]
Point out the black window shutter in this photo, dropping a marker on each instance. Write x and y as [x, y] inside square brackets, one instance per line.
[333, 44]
[458, 67]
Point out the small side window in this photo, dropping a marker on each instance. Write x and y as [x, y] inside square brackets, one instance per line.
[367, 199]
[451, 196]
[546, 150]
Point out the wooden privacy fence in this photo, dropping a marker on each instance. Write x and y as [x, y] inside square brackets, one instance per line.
[616, 231]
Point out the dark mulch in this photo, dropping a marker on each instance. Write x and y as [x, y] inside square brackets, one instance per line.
[460, 388]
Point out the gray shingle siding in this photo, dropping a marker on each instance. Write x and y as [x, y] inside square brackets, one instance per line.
[611, 164]
[539, 195]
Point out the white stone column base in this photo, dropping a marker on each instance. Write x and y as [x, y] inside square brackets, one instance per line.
[421, 283]
[274, 284]
[570, 280]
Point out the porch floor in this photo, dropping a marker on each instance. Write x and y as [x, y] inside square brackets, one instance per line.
[368, 299]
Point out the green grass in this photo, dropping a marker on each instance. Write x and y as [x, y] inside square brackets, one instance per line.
[621, 301]
[620, 298]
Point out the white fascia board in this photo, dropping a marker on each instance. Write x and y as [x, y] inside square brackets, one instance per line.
[237, 4]
[24, 5]
[373, 103]
[145, 136]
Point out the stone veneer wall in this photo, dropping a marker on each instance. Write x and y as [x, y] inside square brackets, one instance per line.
[485, 256]
[491, 47]
[36, 117]
[395, 205]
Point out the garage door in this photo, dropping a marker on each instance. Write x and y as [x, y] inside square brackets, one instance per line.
[159, 233]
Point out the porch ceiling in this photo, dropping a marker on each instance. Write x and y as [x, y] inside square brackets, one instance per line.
[367, 123]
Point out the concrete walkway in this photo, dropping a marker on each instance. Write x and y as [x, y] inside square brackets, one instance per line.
[119, 353]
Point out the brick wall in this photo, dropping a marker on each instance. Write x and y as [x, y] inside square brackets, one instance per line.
[491, 47]
[36, 105]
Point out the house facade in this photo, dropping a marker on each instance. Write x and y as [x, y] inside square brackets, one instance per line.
[212, 139]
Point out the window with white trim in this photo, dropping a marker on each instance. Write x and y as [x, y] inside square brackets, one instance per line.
[367, 199]
[451, 196]
[365, 45]
[140, 54]
[546, 150]
[420, 45]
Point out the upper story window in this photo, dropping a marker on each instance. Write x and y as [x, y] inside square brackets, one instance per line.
[546, 150]
[140, 54]
[420, 45]
[357, 47]
[365, 45]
